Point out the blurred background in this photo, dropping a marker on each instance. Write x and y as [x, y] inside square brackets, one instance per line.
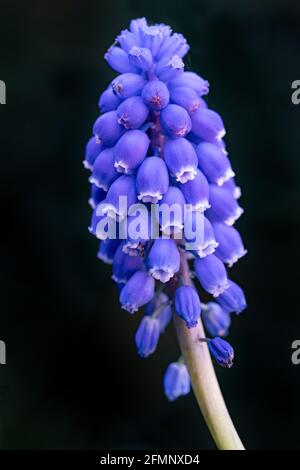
[73, 379]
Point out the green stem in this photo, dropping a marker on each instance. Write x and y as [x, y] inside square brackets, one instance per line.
[204, 381]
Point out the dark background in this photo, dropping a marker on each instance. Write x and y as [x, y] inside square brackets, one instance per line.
[73, 379]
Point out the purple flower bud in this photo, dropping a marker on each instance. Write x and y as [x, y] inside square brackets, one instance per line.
[224, 207]
[130, 151]
[214, 163]
[160, 304]
[141, 58]
[216, 320]
[127, 40]
[169, 69]
[199, 235]
[108, 101]
[128, 84]
[203, 104]
[115, 206]
[164, 29]
[176, 381]
[221, 351]
[233, 298]
[138, 291]
[175, 121]
[163, 260]
[208, 125]
[196, 192]
[185, 97]
[171, 211]
[118, 60]
[125, 266]
[107, 250]
[211, 274]
[104, 172]
[231, 247]
[181, 159]
[156, 95]
[136, 27]
[152, 37]
[187, 305]
[175, 44]
[107, 129]
[152, 180]
[192, 80]
[97, 195]
[132, 112]
[92, 150]
[147, 336]
[233, 188]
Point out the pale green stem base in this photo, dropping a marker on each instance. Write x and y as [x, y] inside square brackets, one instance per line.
[204, 381]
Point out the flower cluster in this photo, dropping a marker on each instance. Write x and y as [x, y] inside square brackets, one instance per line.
[156, 142]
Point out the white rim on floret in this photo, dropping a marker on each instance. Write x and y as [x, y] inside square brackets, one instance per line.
[93, 180]
[150, 196]
[207, 249]
[233, 218]
[218, 290]
[201, 206]
[122, 167]
[161, 274]
[175, 228]
[229, 173]
[220, 135]
[105, 258]
[231, 261]
[113, 212]
[185, 174]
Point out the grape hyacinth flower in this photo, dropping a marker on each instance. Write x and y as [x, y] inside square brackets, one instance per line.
[176, 381]
[163, 195]
[216, 320]
[221, 351]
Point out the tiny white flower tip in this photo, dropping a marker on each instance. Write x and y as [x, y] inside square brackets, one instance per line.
[220, 135]
[163, 275]
[231, 220]
[92, 203]
[119, 280]
[93, 180]
[208, 249]
[220, 289]
[176, 62]
[130, 308]
[201, 206]
[103, 257]
[87, 165]
[122, 167]
[174, 229]
[237, 192]
[234, 259]
[227, 176]
[111, 211]
[186, 174]
[150, 197]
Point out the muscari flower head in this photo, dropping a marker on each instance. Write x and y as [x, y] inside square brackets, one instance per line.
[157, 143]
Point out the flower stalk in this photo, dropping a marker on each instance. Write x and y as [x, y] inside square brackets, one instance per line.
[203, 377]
